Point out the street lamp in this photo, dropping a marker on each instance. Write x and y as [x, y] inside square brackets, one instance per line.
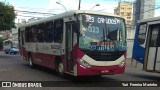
[62, 5]
[94, 6]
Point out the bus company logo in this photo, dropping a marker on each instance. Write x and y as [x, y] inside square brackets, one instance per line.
[6, 84]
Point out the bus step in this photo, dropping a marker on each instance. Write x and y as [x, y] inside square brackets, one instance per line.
[71, 73]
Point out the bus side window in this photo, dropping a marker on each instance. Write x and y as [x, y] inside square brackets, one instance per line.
[28, 34]
[58, 31]
[34, 31]
[159, 39]
[22, 33]
[49, 32]
[154, 36]
[18, 35]
[40, 35]
[142, 33]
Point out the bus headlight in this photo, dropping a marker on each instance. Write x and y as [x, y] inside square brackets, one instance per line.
[122, 64]
[84, 63]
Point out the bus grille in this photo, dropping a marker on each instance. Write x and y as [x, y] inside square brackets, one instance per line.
[104, 56]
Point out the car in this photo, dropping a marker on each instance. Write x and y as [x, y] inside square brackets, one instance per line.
[6, 51]
[12, 50]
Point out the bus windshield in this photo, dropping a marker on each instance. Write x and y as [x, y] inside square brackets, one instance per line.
[102, 33]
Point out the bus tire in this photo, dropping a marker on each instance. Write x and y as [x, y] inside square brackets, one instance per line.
[31, 64]
[60, 69]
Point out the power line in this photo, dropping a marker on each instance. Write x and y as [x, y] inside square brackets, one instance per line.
[151, 10]
[38, 9]
[35, 12]
[26, 16]
[55, 14]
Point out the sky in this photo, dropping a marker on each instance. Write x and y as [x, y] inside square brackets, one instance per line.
[51, 7]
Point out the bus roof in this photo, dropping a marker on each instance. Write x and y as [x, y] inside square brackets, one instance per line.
[7, 40]
[65, 14]
[149, 19]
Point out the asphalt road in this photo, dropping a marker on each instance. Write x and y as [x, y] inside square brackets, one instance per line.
[13, 68]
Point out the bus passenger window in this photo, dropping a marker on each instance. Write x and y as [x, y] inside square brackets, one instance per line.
[34, 31]
[58, 31]
[41, 29]
[49, 32]
[159, 39]
[154, 36]
[27, 34]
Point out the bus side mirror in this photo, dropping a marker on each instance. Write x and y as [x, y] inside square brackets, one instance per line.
[76, 26]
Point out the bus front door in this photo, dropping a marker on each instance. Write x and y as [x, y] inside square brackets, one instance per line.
[21, 47]
[153, 61]
[69, 47]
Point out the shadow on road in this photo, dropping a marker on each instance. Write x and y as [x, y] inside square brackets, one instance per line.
[146, 75]
[70, 77]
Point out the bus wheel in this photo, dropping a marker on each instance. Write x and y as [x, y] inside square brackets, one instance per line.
[60, 69]
[31, 64]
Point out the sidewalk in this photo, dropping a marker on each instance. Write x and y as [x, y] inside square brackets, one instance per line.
[1, 52]
[132, 67]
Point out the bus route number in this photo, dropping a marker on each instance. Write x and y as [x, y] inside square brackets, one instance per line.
[89, 18]
[93, 29]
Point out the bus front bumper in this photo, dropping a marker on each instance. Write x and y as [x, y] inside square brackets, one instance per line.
[99, 70]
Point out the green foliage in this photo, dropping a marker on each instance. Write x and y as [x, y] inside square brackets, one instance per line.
[7, 16]
[1, 42]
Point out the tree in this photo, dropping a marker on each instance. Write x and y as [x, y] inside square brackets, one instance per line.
[1, 43]
[7, 16]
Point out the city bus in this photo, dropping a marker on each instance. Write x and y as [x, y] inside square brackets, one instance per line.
[10, 46]
[78, 42]
[146, 48]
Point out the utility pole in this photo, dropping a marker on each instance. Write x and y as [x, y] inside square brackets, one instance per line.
[79, 5]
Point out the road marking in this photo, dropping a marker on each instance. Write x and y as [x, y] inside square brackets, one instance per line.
[9, 69]
[5, 69]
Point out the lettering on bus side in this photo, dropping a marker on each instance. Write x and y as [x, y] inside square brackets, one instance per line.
[55, 52]
[59, 47]
[45, 48]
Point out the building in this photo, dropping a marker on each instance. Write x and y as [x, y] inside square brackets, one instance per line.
[147, 9]
[124, 9]
[14, 34]
[10, 34]
[143, 9]
[136, 10]
[5, 34]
